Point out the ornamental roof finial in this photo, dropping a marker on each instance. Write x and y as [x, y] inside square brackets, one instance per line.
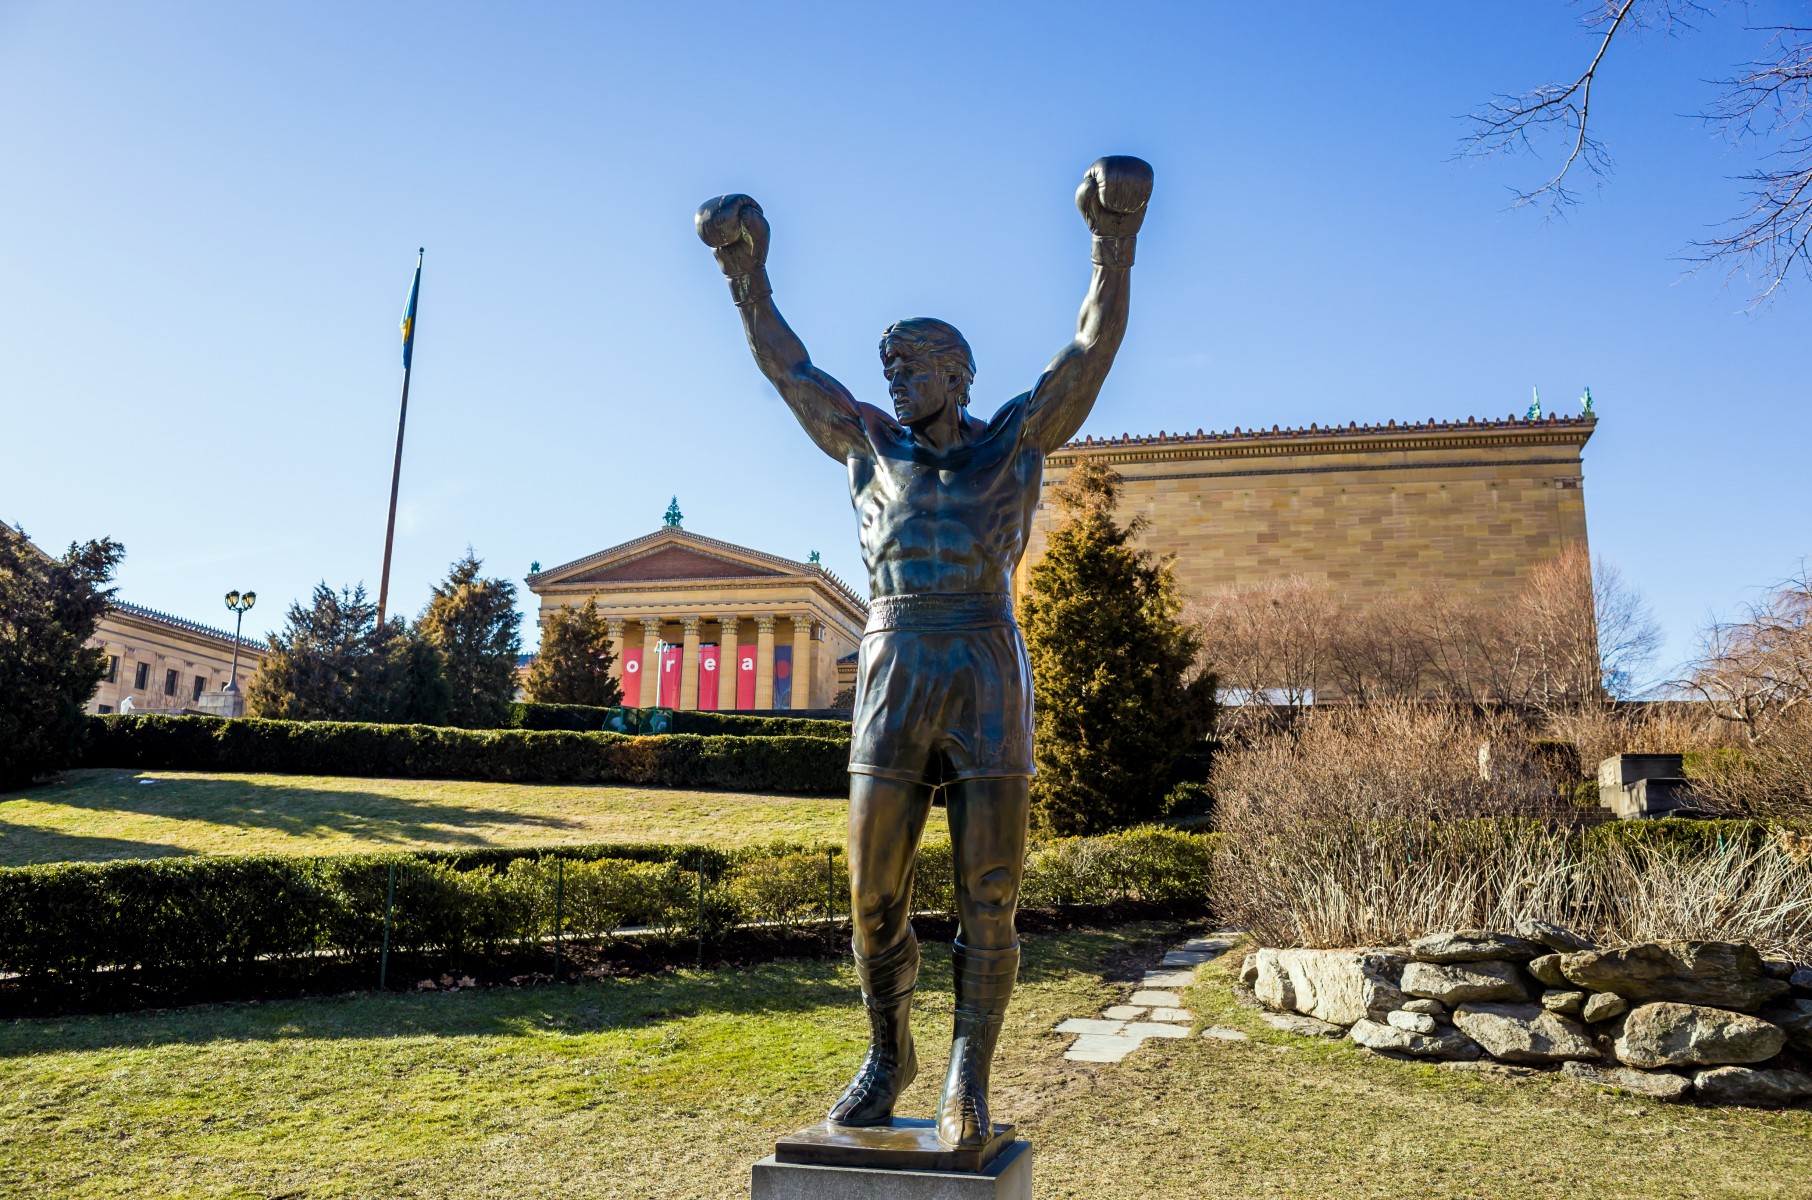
[674, 516]
[1585, 402]
[1534, 413]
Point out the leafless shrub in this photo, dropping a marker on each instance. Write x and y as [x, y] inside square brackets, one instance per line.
[1372, 826]
[1735, 893]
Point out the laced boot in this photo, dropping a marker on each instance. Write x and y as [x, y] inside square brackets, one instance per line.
[984, 984]
[891, 1063]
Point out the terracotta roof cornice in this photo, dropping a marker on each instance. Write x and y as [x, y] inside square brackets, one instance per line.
[154, 617]
[1353, 438]
[648, 543]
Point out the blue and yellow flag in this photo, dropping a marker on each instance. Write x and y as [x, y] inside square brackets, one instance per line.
[408, 326]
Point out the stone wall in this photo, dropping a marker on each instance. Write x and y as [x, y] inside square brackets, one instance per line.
[1371, 510]
[1708, 1021]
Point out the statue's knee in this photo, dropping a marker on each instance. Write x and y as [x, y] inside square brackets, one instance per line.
[997, 889]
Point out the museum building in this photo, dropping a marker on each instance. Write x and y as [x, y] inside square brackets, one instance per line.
[1373, 510]
[698, 623]
[160, 663]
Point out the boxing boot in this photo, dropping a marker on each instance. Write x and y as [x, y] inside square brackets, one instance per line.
[984, 984]
[891, 1064]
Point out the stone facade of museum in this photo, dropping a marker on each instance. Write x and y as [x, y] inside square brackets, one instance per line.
[167, 664]
[740, 629]
[1372, 510]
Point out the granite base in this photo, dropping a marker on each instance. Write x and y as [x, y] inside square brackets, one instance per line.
[1008, 1177]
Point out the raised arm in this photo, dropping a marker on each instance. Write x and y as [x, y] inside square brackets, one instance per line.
[1112, 199]
[737, 232]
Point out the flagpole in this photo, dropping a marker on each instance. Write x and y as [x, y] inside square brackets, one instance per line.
[402, 419]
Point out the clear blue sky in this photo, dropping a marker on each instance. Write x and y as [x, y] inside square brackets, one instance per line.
[210, 214]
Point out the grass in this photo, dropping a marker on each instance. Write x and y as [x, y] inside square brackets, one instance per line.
[105, 814]
[667, 1087]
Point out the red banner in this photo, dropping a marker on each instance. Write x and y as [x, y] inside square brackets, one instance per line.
[745, 677]
[783, 677]
[707, 677]
[632, 677]
[671, 657]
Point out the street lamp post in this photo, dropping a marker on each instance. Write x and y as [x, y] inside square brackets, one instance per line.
[240, 604]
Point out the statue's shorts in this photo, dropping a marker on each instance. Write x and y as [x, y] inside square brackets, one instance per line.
[943, 691]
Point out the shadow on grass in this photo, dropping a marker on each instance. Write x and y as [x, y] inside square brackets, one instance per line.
[792, 985]
[301, 813]
[22, 844]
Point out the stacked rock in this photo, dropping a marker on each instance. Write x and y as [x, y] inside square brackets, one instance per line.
[1711, 1020]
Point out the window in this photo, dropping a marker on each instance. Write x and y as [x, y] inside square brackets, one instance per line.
[201, 685]
[113, 668]
[107, 708]
[141, 678]
[170, 682]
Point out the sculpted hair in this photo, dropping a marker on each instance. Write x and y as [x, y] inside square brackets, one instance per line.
[934, 339]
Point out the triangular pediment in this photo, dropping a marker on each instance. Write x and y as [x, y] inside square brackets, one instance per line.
[670, 554]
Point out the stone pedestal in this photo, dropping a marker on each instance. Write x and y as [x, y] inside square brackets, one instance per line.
[1008, 1177]
[222, 703]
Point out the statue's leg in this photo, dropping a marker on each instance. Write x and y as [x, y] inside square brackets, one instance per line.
[988, 836]
[886, 820]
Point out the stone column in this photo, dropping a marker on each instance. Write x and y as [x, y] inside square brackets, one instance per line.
[651, 664]
[688, 668]
[764, 661]
[614, 626]
[726, 664]
[802, 660]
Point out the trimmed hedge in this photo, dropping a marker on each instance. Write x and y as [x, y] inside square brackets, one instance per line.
[171, 918]
[586, 718]
[800, 765]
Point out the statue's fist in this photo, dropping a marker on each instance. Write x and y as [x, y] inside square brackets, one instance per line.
[1113, 195]
[735, 229]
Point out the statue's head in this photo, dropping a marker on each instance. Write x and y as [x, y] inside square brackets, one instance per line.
[928, 367]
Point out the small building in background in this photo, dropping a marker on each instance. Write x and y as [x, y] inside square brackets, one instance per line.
[166, 664]
[698, 623]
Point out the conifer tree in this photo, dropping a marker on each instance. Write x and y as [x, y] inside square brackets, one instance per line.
[573, 665]
[475, 624]
[332, 661]
[49, 608]
[1116, 697]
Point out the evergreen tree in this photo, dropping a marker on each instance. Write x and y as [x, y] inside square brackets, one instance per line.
[1115, 703]
[573, 664]
[332, 661]
[474, 623]
[49, 608]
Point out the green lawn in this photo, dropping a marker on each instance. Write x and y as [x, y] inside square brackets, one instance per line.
[669, 1086]
[104, 814]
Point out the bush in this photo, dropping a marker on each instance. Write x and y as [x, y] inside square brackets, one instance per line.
[799, 765]
[214, 917]
[585, 718]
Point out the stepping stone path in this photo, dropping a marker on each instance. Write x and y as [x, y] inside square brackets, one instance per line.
[1154, 1010]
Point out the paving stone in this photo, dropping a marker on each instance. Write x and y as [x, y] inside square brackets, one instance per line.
[1157, 1029]
[1125, 1012]
[1156, 999]
[1087, 1025]
[1185, 958]
[1167, 979]
[1222, 1033]
[1170, 1014]
[1212, 946]
[1102, 1048]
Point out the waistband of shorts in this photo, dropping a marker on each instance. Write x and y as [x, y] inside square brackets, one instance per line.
[940, 612]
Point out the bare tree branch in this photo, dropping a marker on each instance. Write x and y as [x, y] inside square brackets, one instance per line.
[1507, 123]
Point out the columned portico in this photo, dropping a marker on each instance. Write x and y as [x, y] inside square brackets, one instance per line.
[747, 615]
